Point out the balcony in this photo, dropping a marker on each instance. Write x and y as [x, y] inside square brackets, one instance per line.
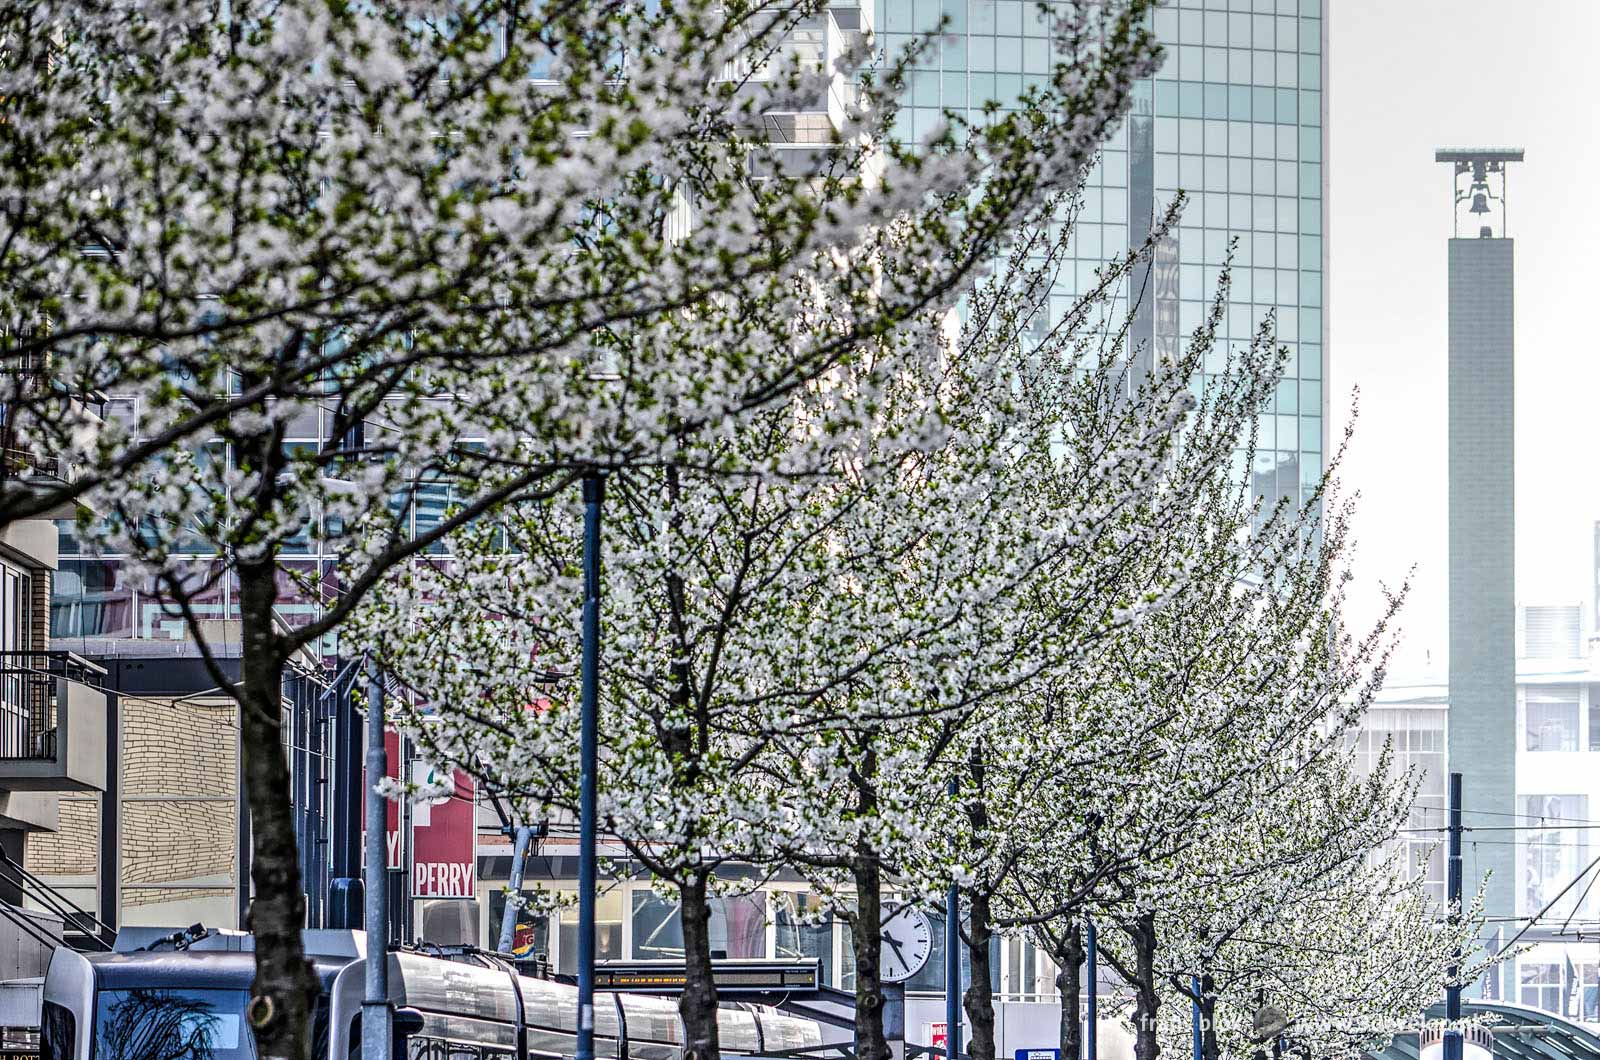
[52, 722]
[36, 468]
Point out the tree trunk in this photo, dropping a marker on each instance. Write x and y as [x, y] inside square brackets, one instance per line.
[1142, 933]
[867, 941]
[979, 999]
[281, 997]
[1068, 953]
[1210, 1047]
[866, 935]
[698, 1003]
[686, 748]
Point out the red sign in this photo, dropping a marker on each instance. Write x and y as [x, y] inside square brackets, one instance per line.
[444, 834]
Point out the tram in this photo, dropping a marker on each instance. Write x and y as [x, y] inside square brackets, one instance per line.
[190, 1004]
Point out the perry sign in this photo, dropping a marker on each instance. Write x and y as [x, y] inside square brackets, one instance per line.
[444, 835]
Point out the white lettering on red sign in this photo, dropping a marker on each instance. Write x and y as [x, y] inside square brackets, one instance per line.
[442, 879]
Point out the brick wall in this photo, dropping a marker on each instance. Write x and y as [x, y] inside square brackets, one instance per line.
[179, 792]
[42, 579]
[179, 812]
[179, 748]
[73, 851]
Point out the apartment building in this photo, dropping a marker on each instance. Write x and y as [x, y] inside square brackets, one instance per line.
[55, 720]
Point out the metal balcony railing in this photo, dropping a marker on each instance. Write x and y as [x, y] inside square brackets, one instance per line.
[27, 464]
[31, 377]
[31, 691]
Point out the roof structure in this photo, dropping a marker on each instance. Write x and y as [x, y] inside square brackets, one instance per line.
[1478, 154]
[1520, 1033]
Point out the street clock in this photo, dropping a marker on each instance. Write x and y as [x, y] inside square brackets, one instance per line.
[907, 941]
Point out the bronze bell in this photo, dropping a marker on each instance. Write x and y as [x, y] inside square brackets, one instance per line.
[1480, 203]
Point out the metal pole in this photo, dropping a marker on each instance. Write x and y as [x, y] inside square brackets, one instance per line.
[1452, 995]
[1091, 1036]
[1199, 1046]
[377, 1018]
[508, 921]
[952, 965]
[593, 494]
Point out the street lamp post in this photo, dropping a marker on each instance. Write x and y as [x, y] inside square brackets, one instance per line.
[1091, 1032]
[593, 494]
[377, 1018]
[1452, 1011]
[1198, 1042]
[952, 965]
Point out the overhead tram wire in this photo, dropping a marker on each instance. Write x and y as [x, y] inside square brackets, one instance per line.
[1538, 821]
[1515, 827]
[1530, 844]
[1551, 903]
[1562, 930]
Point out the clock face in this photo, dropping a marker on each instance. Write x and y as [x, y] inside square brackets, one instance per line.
[906, 942]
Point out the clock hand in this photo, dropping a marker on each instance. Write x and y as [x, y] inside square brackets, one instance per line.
[891, 940]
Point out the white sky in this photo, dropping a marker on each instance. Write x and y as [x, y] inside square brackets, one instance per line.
[1407, 76]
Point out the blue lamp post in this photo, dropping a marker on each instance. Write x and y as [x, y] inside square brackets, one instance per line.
[952, 965]
[377, 1018]
[593, 494]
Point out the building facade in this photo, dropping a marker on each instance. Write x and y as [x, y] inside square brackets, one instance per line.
[1540, 841]
[1234, 119]
[55, 716]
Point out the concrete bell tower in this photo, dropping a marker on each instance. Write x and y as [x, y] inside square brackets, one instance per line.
[1483, 692]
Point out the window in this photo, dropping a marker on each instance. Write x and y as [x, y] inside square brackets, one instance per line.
[1541, 986]
[202, 1024]
[58, 1033]
[530, 934]
[738, 927]
[803, 930]
[1551, 718]
[1417, 737]
[1025, 973]
[607, 931]
[1554, 850]
[91, 599]
[1583, 993]
[16, 609]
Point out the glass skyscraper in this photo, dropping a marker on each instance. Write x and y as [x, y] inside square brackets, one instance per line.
[1234, 118]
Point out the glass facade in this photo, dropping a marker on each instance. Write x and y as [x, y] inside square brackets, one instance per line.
[1234, 118]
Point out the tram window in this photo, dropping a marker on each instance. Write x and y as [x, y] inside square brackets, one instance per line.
[58, 1033]
[439, 1049]
[319, 1028]
[193, 1024]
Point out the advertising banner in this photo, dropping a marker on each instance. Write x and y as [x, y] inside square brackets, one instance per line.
[444, 835]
